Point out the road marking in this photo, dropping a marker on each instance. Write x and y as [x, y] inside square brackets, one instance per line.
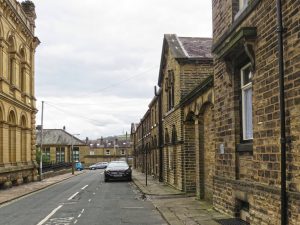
[79, 215]
[82, 210]
[94, 193]
[75, 221]
[84, 187]
[90, 200]
[134, 207]
[73, 196]
[51, 214]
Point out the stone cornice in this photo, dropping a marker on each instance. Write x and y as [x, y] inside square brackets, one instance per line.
[17, 103]
[19, 16]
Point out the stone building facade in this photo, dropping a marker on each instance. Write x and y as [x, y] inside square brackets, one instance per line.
[185, 64]
[247, 118]
[17, 94]
[57, 146]
[106, 150]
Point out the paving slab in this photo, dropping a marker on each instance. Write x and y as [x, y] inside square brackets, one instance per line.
[176, 207]
[25, 189]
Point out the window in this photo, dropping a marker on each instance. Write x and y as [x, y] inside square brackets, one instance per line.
[76, 153]
[171, 90]
[60, 154]
[122, 152]
[239, 7]
[107, 152]
[47, 154]
[243, 4]
[246, 89]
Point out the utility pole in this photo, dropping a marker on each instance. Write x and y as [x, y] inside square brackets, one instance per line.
[41, 150]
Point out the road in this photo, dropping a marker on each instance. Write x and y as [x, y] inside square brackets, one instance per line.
[82, 200]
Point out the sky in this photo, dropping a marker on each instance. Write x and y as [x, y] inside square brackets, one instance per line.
[98, 61]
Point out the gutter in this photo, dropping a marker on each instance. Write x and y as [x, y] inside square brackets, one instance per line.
[283, 194]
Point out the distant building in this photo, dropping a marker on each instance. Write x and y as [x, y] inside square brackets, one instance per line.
[106, 150]
[17, 93]
[57, 145]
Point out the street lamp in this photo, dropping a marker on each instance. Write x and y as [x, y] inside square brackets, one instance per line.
[72, 153]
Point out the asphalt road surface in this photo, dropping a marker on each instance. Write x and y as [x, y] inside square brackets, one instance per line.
[82, 200]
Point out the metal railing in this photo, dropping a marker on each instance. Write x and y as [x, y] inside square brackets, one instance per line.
[56, 166]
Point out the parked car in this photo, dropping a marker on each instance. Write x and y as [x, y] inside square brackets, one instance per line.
[79, 166]
[119, 170]
[99, 165]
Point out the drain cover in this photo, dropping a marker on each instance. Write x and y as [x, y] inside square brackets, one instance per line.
[232, 221]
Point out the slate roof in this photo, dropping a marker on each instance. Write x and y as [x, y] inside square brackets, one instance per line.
[197, 47]
[189, 47]
[185, 48]
[57, 137]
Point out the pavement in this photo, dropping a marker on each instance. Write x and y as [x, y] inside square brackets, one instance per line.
[176, 207]
[19, 191]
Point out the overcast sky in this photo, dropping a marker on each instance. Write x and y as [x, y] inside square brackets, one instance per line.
[99, 60]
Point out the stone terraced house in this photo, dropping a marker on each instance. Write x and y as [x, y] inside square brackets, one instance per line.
[247, 180]
[163, 135]
[17, 94]
[222, 137]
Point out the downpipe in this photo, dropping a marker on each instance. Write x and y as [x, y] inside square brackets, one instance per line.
[280, 31]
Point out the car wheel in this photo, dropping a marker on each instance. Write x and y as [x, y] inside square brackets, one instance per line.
[105, 179]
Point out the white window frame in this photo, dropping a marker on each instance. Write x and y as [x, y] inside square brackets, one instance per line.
[243, 89]
[242, 6]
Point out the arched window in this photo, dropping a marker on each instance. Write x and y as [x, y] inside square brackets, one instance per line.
[22, 71]
[167, 138]
[23, 139]
[12, 137]
[11, 60]
[174, 135]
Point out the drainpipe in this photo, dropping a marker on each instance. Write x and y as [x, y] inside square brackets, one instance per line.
[280, 31]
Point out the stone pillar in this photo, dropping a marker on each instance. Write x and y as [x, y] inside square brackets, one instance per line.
[189, 157]
[1, 142]
[12, 143]
[27, 150]
[5, 142]
[198, 160]
[1, 59]
[18, 145]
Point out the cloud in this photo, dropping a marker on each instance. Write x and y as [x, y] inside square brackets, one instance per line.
[105, 55]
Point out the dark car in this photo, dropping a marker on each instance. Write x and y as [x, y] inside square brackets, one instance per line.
[117, 171]
[99, 165]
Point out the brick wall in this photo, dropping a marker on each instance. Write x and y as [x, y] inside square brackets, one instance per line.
[262, 165]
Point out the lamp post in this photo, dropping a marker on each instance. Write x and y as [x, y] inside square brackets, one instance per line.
[72, 153]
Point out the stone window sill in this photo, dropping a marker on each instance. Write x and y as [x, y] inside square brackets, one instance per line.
[245, 147]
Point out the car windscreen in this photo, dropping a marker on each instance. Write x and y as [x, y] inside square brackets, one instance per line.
[117, 165]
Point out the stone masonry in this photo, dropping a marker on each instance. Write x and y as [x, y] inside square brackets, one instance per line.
[17, 100]
[247, 170]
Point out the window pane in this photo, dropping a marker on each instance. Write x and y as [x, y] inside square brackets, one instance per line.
[247, 76]
[248, 129]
